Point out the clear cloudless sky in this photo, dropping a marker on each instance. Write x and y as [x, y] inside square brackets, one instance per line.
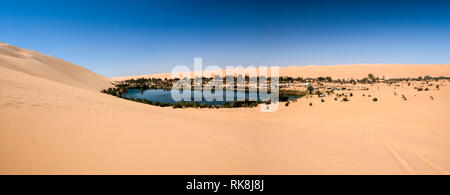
[128, 37]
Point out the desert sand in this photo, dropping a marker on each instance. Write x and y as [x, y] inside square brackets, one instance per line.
[355, 71]
[54, 120]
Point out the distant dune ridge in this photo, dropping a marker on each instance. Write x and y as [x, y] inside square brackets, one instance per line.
[54, 120]
[51, 68]
[356, 71]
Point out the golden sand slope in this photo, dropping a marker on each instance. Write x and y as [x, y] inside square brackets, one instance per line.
[356, 71]
[47, 67]
[51, 126]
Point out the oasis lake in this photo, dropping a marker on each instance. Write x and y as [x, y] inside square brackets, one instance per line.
[165, 96]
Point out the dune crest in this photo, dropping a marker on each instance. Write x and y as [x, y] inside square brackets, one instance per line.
[50, 68]
[355, 71]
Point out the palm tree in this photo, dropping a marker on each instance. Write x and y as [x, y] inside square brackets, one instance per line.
[310, 89]
[371, 77]
[123, 91]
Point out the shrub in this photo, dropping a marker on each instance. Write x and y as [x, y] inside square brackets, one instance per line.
[310, 104]
[204, 105]
[318, 93]
[196, 105]
[322, 100]
[345, 99]
[283, 96]
[375, 99]
[164, 104]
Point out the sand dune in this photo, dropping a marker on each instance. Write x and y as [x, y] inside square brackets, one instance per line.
[47, 67]
[53, 120]
[356, 71]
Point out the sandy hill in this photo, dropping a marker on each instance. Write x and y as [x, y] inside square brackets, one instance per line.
[50, 68]
[362, 70]
[356, 71]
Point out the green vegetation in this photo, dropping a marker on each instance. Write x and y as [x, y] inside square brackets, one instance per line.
[310, 89]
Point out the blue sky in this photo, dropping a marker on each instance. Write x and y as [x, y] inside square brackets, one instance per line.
[128, 37]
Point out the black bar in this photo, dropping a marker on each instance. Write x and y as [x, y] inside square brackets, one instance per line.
[273, 184]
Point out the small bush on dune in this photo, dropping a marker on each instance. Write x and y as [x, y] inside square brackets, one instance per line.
[375, 99]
